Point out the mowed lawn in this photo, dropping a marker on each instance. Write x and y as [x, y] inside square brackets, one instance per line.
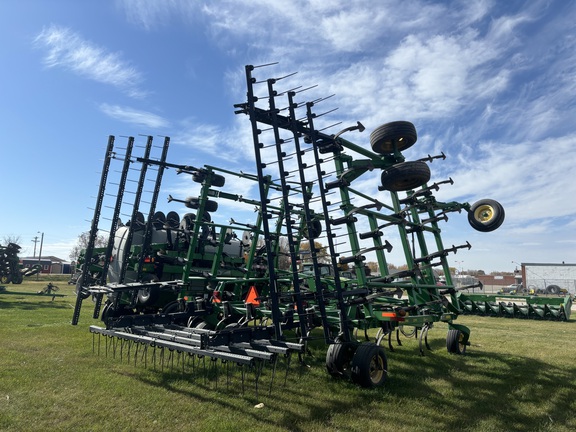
[518, 375]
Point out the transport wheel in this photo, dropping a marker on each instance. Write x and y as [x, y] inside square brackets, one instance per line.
[486, 215]
[398, 135]
[339, 357]
[5, 279]
[369, 365]
[550, 289]
[405, 176]
[455, 342]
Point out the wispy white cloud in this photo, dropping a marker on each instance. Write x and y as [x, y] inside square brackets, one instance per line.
[68, 50]
[133, 116]
[489, 83]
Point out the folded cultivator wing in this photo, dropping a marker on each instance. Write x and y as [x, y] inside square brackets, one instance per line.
[192, 286]
[10, 268]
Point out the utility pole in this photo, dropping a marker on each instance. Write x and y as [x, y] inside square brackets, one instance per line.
[40, 256]
[35, 241]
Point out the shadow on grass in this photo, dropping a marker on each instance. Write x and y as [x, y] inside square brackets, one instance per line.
[503, 391]
[18, 300]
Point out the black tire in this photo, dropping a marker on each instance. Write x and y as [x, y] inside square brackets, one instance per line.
[5, 279]
[194, 203]
[148, 295]
[172, 220]
[398, 135]
[553, 289]
[339, 358]
[405, 176]
[486, 215]
[171, 307]
[369, 365]
[108, 312]
[17, 278]
[159, 220]
[315, 230]
[139, 223]
[216, 180]
[187, 222]
[455, 342]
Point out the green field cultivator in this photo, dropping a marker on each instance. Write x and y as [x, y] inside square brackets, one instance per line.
[547, 307]
[186, 285]
[10, 268]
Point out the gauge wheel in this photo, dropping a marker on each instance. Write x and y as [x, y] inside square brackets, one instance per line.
[314, 231]
[389, 137]
[369, 365]
[405, 176]
[216, 180]
[486, 215]
[148, 295]
[194, 203]
[159, 220]
[455, 342]
[339, 358]
[172, 220]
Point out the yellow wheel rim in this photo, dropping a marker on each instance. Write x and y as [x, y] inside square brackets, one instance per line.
[376, 369]
[484, 213]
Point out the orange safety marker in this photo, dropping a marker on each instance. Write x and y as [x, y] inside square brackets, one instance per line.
[252, 297]
[393, 316]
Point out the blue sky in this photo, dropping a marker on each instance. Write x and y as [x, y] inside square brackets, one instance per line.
[492, 84]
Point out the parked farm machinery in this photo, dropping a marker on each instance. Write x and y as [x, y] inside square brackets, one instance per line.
[191, 285]
[546, 307]
[10, 268]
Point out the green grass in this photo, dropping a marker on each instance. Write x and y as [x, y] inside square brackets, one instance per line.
[518, 375]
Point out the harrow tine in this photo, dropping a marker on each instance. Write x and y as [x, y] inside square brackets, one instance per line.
[145, 356]
[258, 373]
[227, 367]
[273, 374]
[215, 369]
[288, 361]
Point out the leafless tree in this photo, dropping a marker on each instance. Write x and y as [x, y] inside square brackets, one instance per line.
[83, 239]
